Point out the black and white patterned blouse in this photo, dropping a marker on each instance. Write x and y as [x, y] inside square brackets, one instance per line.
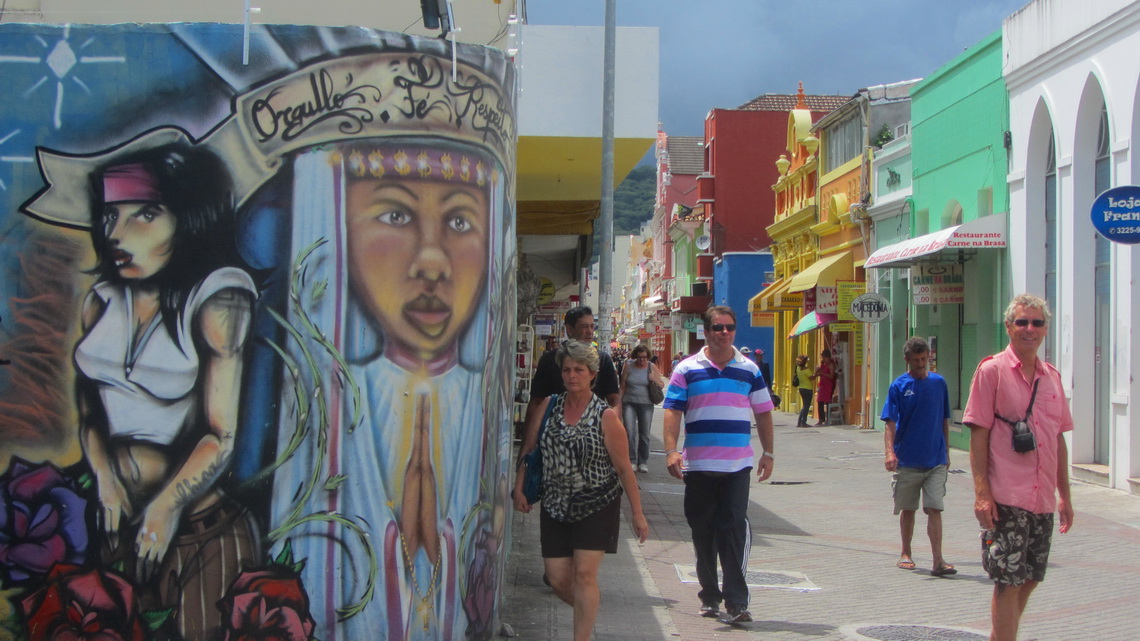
[578, 478]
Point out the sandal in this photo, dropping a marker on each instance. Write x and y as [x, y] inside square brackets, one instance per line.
[945, 570]
[905, 564]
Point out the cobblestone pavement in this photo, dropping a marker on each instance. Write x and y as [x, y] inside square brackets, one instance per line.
[823, 529]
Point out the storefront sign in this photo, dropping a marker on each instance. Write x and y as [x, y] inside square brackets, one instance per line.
[937, 284]
[1116, 214]
[824, 300]
[870, 308]
[544, 324]
[556, 306]
[545, 291]
[763, 319]
[848, 291]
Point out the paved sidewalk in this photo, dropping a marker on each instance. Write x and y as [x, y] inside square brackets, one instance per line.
[823, 530]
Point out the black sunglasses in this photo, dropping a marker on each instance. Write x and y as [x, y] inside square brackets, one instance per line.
[731, 327]
[1025, 322]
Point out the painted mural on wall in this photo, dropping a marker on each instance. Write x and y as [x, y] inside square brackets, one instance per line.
[255, 333]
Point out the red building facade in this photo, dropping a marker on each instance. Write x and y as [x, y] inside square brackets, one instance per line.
[741, 146]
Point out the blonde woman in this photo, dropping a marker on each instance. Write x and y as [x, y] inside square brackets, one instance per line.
[585, 467]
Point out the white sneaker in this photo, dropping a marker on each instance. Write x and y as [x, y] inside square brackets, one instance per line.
[642, 467]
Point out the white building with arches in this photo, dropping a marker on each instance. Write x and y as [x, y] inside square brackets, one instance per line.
[1073, 73]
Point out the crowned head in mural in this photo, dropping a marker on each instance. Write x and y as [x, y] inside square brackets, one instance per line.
[398, 216]
[159, 367]
[417, 220]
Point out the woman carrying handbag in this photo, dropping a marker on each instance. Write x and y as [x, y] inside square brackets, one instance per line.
[638, 378]
[585, 468]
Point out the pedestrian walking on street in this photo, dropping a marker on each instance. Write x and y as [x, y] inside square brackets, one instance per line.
[717, 392]
[825, 385]
[802, 381]
[1018, 416]
[917, 438]
[579, 325]
[585, 467]
[766, 372]
[637, 407]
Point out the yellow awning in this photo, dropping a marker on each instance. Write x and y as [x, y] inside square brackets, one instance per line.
[754, 302]
[823, 272]
[775, 297]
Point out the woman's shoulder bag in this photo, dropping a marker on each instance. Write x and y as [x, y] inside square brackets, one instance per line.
[532, 481]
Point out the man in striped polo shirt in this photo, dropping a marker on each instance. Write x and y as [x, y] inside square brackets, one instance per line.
[717, 392]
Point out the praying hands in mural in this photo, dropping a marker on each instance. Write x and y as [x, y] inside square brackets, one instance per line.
[418, 517]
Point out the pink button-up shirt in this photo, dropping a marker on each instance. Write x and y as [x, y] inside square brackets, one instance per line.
[1029, 480]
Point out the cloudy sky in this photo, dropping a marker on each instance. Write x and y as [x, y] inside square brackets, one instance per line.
[723, 53]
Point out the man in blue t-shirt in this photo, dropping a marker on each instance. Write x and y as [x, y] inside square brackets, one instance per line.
[917, 434]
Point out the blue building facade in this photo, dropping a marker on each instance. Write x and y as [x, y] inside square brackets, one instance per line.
[737, 276]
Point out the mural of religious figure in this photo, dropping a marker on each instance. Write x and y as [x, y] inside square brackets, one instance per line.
[397, 231]
[413, 239]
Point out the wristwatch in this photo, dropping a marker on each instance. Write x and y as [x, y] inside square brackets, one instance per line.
[769, 455]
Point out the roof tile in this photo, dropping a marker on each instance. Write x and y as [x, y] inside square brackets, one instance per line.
[787, 102]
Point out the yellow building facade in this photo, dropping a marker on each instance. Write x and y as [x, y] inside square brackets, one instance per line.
[840, 233]
[794, 248]
[818, 250]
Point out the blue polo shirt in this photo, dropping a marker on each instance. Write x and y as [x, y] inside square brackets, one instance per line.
[918, 408]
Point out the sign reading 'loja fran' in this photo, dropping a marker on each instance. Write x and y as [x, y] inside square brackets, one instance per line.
[1116, 214]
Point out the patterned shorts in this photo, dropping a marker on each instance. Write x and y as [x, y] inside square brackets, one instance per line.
[1017, 549]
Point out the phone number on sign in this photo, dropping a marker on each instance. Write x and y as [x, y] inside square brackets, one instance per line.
[1115, 231]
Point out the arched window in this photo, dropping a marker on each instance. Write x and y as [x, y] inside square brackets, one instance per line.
[1051, 242]
[1102, 283]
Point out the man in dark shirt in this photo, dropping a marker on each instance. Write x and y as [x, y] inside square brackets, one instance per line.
[579, 324]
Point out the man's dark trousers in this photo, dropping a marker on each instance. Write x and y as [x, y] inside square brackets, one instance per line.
[716, 506]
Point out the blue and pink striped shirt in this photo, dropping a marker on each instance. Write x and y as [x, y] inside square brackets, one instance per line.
[719, 405]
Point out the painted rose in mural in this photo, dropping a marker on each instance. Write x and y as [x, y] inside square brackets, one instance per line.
[267, 604]
[79, 604]
[42, 521]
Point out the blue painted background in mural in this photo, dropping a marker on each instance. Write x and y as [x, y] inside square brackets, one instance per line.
[254, 322]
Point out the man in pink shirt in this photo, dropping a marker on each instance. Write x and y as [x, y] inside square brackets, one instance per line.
[1018, 415]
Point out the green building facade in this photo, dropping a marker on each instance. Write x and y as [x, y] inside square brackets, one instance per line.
[959, 146]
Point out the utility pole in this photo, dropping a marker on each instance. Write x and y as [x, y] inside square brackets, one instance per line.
[606, 220]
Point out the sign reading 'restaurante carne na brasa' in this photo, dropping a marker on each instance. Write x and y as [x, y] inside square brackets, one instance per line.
[1116, 214]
